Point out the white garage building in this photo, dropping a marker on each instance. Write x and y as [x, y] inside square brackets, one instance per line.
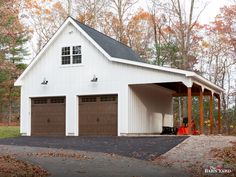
[86, 83]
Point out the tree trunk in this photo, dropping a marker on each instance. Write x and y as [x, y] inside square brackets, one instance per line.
[156, 41]
[69, 9]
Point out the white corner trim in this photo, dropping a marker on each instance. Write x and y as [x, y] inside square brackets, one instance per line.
[188, 83]
[18, 82]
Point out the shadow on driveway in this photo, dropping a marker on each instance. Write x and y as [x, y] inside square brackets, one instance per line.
[143, 148]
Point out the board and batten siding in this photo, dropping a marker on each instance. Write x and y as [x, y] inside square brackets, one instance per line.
[72, 81]
[149, 106]
[75, 80]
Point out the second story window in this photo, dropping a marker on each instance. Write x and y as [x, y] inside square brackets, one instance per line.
[76, 54]
[65, 55]
[71, 55]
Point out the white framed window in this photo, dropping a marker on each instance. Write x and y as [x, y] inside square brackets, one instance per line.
[71, 55]
[76, 55]
[65, 55]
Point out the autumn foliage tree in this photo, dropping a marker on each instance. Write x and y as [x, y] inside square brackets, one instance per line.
[220, 54]
[13, 36]
[140, 34]
[91, 13]
[43, 18]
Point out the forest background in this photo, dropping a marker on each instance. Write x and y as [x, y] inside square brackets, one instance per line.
[168, 33]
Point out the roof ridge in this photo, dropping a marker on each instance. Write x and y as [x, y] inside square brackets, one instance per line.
[102, 34]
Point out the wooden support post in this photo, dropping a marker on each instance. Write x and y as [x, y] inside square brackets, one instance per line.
[190, 110]
[201, 111]
[211, 114]
[219, 115]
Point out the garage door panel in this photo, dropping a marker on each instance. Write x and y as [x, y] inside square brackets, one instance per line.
[48, 116]
[98, 115]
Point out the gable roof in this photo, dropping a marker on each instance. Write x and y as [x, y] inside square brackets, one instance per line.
[111, 46]
[113, 51]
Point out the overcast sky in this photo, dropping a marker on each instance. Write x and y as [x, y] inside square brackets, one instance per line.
[211, 10]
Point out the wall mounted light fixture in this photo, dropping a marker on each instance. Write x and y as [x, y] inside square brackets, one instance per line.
[95, 79]
[45, 82]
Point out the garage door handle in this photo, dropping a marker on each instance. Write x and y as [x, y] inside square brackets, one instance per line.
[97, 119]
[48, 120]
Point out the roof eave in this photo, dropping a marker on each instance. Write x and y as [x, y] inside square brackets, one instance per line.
[212, 86]
[141, 64]
[188, 74]
[18, 83]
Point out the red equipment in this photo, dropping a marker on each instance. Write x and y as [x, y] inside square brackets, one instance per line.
[184, 129]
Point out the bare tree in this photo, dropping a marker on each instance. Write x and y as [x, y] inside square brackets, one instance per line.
[120, 10]
[43, 19]
[183, 21]
[91, 12]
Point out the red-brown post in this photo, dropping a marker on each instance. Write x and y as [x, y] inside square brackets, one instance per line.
[219, 115]
[211, 114]
[190, 109]
[201, 111]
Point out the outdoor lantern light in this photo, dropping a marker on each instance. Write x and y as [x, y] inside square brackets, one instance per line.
[45, 82]
[95, 79]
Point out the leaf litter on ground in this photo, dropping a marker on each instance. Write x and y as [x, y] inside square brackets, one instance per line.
[10, 166]
[63, 154]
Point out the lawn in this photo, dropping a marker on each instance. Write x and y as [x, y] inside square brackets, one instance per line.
[9, 131]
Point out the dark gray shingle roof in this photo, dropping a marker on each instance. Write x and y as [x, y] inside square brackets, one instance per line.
[110, 45]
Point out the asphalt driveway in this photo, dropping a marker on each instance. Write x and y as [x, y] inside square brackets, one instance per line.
[62, 163]
[142, 148]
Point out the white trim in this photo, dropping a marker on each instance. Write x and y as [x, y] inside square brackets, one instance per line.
[29, 131]
[188, 83]
[206, 82]
[71, 65]
[97, 93]
[71, 56]
[204, 87]
[19, 80]
[42, 96]
[90, 39]
[146, 65]
[189, 74]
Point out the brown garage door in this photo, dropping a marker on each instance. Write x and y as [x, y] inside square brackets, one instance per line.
[98, 115]
[48, 116]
